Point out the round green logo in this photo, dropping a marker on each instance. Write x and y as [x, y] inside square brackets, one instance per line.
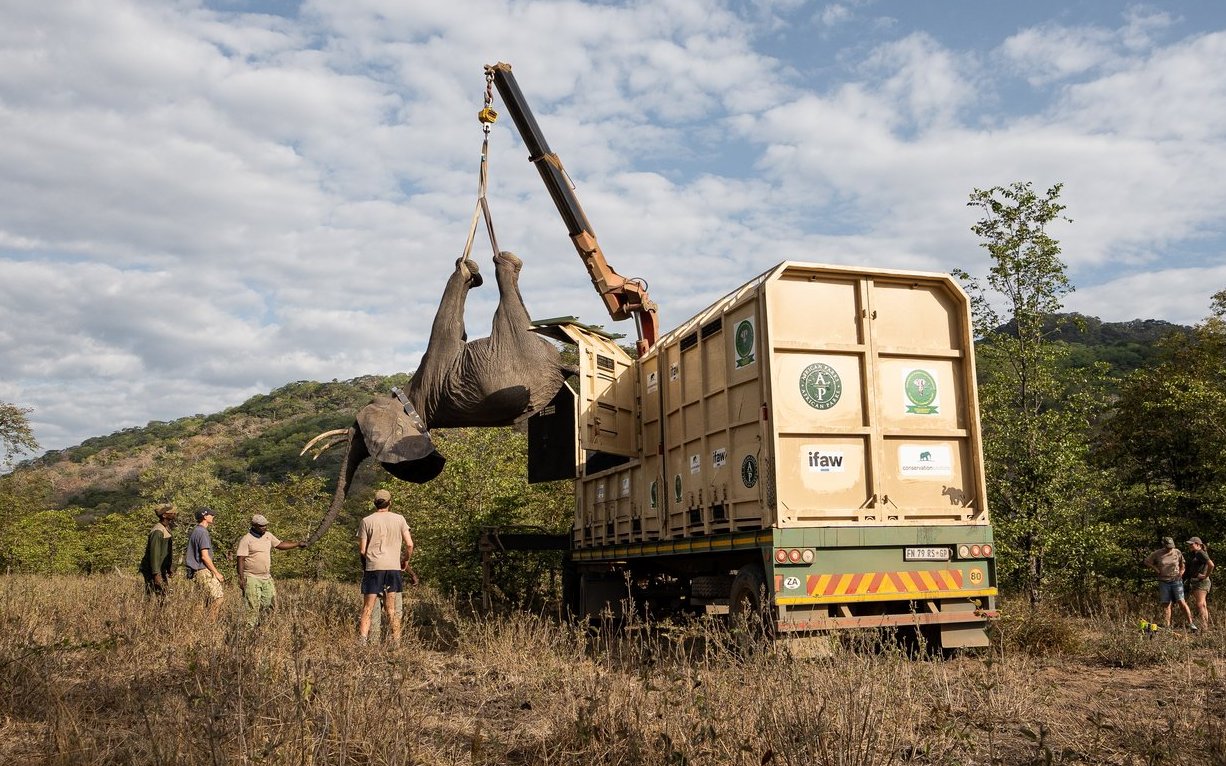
[820, 386]
[743, 343]
[749, 471]
[921, 390]
[677, 487]
[744, 337]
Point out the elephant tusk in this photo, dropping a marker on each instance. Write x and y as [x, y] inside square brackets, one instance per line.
[348, 432]
[319, 451]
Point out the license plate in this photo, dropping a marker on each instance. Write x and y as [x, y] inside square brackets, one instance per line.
[926, 554]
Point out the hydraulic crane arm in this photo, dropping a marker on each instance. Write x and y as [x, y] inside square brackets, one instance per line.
[623, 298]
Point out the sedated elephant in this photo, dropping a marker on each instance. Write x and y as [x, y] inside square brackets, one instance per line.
[494, 381]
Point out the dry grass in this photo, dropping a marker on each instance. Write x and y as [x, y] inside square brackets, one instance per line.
[91, 673]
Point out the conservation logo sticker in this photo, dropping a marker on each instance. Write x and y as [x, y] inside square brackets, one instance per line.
[695, 464]
[920, 387]
[749, 471]
[655, 493]
[744, 340]
[653, 380]
[820, 386]
[677, 487]
[925, 460]
[819, 459]
[625, 486]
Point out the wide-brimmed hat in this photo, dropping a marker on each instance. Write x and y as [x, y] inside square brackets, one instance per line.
[164, 510]
[1168, 542]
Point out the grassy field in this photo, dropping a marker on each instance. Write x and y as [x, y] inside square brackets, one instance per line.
[92, 674]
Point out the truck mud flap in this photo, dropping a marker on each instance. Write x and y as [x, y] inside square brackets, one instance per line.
[962, 635]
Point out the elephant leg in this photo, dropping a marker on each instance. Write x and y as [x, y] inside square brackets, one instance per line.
[511, 320]
[447, 338]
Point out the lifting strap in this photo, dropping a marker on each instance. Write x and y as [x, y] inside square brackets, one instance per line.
[486, 116]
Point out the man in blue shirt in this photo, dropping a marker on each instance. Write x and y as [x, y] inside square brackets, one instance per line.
[200, 567]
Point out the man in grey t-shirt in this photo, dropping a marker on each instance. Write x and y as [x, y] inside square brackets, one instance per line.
[200, 567]
[380, 536]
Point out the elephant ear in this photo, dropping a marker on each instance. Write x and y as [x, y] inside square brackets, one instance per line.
[398, 439]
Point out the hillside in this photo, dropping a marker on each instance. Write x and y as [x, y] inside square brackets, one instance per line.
[257, 442]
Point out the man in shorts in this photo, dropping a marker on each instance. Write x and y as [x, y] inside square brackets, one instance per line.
[1200, 566]
[200, 567]
[380, 536]
[255, 567]
[1168, 562]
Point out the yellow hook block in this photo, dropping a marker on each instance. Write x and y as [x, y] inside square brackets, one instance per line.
[487, 116]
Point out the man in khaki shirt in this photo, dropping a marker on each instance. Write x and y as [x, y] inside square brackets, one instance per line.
[255, 567]
[380, 536]
[1169, 563]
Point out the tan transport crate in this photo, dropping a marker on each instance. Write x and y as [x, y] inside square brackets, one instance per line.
[811, 396]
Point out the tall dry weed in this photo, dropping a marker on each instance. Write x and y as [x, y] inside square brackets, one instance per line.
[92, 673]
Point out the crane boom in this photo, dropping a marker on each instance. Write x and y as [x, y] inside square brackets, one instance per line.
[623, 298]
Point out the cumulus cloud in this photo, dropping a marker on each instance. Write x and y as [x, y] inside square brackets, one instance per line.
[201, 202]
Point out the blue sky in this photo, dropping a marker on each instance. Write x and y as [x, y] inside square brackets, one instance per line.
[206, 200]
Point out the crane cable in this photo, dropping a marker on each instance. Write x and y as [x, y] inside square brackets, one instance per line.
[487, 116]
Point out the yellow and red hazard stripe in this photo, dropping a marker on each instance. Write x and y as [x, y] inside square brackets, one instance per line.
[878, 586]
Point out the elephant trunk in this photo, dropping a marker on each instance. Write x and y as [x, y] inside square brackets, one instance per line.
[355, 453]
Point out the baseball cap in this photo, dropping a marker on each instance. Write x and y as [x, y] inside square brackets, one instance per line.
[259, 520]
[1169, 542]
[383, 494]
[1191, 540]
[202, 512]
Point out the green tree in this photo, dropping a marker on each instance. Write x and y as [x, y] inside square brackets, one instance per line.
[45, 542]
[16, 436]
[484, 485]
[1166, 437]
[1036, 410]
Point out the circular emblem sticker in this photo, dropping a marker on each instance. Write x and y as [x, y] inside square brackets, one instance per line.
[743, 343]
[820, 386]
[677, 487]
[655, 490]
[921, 390]
[749, 471]
[976, 576]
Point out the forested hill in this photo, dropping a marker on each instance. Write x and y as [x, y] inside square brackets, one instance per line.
[1124, 346]
[256, 442]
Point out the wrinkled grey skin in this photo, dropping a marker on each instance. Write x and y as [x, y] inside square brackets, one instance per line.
[494, 381]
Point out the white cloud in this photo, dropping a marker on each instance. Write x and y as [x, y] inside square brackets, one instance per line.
[200, 205]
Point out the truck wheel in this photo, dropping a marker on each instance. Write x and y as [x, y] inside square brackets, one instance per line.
[748, 615]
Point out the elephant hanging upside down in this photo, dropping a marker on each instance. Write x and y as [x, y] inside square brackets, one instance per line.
[494, 381]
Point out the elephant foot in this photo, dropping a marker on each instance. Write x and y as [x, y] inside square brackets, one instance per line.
[470, 271]
[509, 259]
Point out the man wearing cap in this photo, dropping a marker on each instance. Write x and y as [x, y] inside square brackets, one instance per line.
[200, 567]
[380, 536]
[1168, 562]
[1200, 566]
[255, 567]
[155, 567]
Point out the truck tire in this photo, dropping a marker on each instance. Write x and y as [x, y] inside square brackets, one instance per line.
[749, 617]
